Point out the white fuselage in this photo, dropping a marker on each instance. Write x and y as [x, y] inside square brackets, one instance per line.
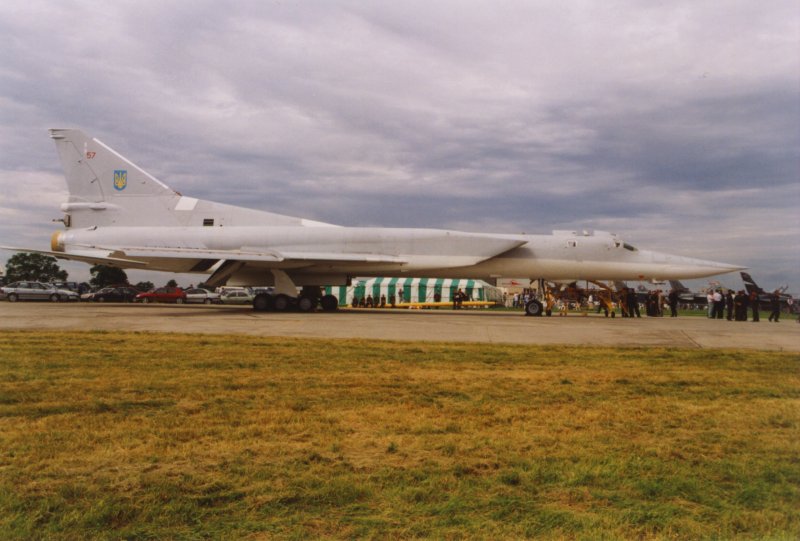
[389, 252]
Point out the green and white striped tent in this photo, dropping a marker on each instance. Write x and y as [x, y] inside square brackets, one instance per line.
[414, 289]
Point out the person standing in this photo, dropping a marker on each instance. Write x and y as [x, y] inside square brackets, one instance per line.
[710, 303]
[745, 305]
[673, 303]
[719, 305]
[775, 304]
[754, 304]
[633, 303]
[730, 301]
[739, 307]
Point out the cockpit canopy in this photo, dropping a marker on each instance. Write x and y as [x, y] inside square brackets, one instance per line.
[618, 243]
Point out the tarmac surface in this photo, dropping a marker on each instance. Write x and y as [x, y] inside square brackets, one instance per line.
[426, 325]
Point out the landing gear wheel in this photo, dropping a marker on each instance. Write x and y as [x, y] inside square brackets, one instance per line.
[534, 308]
[306, 304]
[282, 302]
[329, 303]
[263, 302]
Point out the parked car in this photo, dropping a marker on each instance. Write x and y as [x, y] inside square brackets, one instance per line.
[72, 286]
[200, 295]
[162, 294]
[37, 291]
[112, 294]
[237, 297]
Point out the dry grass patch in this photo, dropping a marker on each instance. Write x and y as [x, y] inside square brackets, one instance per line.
[172, 436]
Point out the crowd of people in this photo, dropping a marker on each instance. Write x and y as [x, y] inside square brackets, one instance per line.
[730, 305]
[370, 302]
[735, 307]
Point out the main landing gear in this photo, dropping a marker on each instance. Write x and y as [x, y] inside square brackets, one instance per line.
[284, 299]
[308, 301]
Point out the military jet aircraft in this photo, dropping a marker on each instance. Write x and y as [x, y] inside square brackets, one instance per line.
[687, 296]
[117, 214]
[765, 296]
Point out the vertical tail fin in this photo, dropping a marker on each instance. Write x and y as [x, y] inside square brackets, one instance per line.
[678, 286]
[107, 189]
[750, 284]
[104, 187]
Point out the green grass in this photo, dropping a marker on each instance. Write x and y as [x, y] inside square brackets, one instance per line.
[128, 436]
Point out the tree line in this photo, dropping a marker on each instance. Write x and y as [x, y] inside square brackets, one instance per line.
[34, 267]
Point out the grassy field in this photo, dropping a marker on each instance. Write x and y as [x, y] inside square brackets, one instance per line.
[143, 436]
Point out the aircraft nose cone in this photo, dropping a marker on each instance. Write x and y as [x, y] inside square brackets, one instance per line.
[689, 267]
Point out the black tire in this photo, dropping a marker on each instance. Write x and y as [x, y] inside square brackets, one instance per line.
[54, 297]
[263, 302]
[101, 299]
[12, 297]
[145, 300]
[306, 304]
[282, 303]
[329, 303]
[534, 308]
[179, 301]
[207, 301]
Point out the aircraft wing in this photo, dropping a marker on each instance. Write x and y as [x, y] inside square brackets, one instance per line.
[97, 257]
[258, 255]
[443, 250]
[137, 257]
[483, 247]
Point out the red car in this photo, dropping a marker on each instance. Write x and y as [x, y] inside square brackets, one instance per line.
[162, 294]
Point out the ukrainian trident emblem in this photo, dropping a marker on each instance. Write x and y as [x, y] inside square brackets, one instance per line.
[120, 179]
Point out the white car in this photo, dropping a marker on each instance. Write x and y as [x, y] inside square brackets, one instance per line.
[200, 295]
[237, 297]
[37, 291]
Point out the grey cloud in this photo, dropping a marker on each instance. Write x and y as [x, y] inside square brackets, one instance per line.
[526, 116]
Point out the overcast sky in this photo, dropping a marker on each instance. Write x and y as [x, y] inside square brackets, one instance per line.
[674, 124]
